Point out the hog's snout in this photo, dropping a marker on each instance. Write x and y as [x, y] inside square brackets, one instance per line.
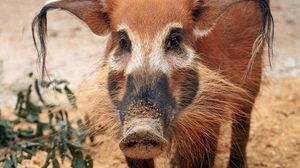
[143, 142]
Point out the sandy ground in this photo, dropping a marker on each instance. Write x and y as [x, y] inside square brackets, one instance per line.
[275, 131]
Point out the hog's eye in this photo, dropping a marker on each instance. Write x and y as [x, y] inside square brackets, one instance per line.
[174, 39]
[124, 41]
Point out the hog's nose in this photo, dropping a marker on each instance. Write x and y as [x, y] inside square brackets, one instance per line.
[142, 142]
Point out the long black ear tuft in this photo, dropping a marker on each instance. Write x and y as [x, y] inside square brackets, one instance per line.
[267, 29]
[39, 34]
[266, 34]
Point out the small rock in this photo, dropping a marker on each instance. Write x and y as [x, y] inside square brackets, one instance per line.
[76, 29]
[53, 34]
[290, 21]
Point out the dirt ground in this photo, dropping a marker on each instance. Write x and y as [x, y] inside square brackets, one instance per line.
[275, 131]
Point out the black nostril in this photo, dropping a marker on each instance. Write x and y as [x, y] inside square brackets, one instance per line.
[146, 142]
[131, 144]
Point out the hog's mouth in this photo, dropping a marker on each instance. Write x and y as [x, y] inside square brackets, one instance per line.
[143, 141]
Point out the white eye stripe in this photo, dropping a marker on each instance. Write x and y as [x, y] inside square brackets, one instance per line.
[156, 61]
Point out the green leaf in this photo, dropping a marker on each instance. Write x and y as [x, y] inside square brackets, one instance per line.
[55, 163]
[47, 161]
[5, 123]
[78, 161]
[15, 159]
[62, 149]
[19, 104]
[38, 92]
[76, 145]
[7, 164]
[41, 127]
[71, 97]
[33, 112]
[62, 137]
[58, 90]
[25, 133]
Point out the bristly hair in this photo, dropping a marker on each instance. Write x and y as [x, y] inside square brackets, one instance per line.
[266, 33]
[39, 35]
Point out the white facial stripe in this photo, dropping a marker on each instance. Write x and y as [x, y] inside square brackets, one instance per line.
[156, 62]
[137, 59]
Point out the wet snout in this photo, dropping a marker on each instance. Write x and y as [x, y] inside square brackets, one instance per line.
[143, 139]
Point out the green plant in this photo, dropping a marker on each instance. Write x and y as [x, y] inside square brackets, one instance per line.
[58, 137]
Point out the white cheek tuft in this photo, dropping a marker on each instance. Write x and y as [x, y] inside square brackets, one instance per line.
[191, 56]
[201, 33]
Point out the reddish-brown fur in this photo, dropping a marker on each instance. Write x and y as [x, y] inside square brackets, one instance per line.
[229, 84]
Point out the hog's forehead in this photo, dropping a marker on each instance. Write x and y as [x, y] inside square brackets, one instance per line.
[150, 16]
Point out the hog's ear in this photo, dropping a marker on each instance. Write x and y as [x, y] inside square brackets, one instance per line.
[92, 12]
[206, 14]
